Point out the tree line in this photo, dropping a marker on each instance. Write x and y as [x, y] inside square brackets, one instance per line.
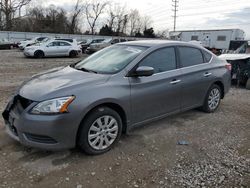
[97, 16]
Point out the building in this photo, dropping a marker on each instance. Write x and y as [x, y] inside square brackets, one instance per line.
[218, 39]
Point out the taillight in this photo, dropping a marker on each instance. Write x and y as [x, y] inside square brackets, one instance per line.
[228, 66]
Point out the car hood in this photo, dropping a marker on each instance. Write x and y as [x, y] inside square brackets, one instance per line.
[234, 56]
[59, 82]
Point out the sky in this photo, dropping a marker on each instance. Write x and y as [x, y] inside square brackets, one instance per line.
[192, 14]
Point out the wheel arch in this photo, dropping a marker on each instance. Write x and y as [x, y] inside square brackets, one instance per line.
[221, 85]
[39, 50]
[114, 106]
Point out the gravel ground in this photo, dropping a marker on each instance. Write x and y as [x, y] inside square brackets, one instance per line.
[217, 153]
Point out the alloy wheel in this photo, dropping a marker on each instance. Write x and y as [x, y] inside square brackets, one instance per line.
[103, 132]
[214, 98]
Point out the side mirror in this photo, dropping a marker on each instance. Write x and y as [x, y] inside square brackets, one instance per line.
[144, 71]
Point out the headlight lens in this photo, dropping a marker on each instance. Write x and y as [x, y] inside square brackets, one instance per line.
[53, 106]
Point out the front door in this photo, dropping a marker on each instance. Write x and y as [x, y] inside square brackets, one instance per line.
[52, 49]
[159, 94]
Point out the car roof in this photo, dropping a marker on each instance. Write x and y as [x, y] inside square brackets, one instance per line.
[152, 43]
[57, 40]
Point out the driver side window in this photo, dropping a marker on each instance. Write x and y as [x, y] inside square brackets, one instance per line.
[161, 60]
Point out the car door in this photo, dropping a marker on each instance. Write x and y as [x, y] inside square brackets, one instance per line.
[158, 94]
[64, 48]
[52, 49]
[196, 76]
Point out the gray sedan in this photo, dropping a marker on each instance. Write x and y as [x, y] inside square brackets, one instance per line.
[89, 104]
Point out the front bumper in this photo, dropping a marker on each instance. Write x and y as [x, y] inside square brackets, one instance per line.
[28, 53]
[21, 47]
[49, 132]
[90, 50]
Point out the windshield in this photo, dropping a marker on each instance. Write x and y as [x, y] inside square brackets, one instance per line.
[110, 60]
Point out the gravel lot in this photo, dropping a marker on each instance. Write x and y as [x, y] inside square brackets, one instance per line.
[218, 153]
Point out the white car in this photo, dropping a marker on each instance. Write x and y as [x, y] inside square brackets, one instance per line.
[53, 48]
[26, 43]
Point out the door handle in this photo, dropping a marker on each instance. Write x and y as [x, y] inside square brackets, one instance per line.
[175, 81]
[207, 74]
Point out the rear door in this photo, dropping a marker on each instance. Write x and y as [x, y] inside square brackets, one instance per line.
[158, 94]
[64, 48]
[196, 76]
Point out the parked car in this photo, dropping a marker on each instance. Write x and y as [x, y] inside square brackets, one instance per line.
[74, 41]
[26, 43]
[6, 44]
[240, 68]
[53, 48]
[98, 46]
[87, 43]
[90, 103]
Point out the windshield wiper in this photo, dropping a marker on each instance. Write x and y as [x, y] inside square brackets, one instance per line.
[87, 70]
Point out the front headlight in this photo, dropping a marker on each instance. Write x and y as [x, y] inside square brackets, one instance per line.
[53, 106]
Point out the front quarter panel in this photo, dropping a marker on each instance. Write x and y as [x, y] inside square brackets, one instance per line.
[116, 90]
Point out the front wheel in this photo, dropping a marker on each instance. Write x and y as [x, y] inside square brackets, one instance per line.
[100, 131]
[39, 54]
[212, 100]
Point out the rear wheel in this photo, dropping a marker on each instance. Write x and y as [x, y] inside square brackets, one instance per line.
[212, 100]
[39, 54]
[100, 131]
[73, 54]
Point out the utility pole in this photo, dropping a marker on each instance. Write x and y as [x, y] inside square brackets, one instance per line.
[175, 6]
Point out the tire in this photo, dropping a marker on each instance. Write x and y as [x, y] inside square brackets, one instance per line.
[248, 84]
[73, 54]
[39, 54]
[94, 139]
[212, 100]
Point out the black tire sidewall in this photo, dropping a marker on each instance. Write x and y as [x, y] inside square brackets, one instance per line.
[39, 54]
[206, 107]
[72, 54]
[83, 143]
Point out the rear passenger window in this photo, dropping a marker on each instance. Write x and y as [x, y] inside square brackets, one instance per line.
[64, 44]
[207, 56]
[190, 56]
[161, 60]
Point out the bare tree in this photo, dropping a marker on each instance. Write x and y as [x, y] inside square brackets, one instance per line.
[134, 21]
[74, 17]
[93, 11]
[9, 8]
[111, 17]
[146, 22]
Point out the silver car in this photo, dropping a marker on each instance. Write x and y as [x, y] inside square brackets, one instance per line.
[53, 48]
[89, 104]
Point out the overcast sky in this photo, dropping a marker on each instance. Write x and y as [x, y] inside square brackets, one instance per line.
[192, 14]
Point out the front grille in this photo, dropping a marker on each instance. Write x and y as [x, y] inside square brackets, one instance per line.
[18, 105]
[40, 138]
